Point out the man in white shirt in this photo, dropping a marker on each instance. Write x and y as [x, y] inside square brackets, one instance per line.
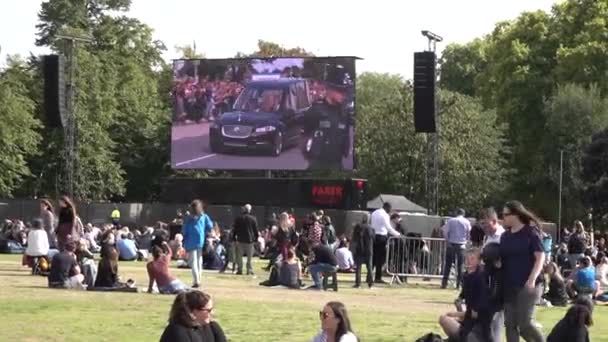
[457, 232]
[493, 231]
[381, 223]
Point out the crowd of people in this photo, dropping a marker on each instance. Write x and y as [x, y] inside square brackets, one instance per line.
[510, 270]
[513, 270]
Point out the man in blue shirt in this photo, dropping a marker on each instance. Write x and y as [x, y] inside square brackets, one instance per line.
[456, 233]
[127, 251]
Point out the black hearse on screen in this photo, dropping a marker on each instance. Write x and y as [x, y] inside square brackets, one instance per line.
[267, 116]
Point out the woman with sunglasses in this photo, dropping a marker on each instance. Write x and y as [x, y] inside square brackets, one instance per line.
[522, 255]
[335, 324]
[191, 320]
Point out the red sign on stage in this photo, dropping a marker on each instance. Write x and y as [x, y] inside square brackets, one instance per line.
[330, 195]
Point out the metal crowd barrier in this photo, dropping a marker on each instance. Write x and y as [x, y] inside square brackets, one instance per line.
[415, 257]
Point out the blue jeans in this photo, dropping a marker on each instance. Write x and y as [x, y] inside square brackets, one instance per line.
[176, 286]
[195, 261]
[316, 269]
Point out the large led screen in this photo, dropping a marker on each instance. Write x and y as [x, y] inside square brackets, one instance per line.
[264, 114]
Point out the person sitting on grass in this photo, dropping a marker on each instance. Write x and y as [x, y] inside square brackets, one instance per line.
[191, 320]
[335, 324]
[158, 271]
[65, 272]
[601, 270]
[346, 263]
[127, 250]
[290, 271]
[574, 326]
[458, 325]
[37, 245]
[84, 257]
[323, 261]
[557, 294]
[583, 279]
[107, 275]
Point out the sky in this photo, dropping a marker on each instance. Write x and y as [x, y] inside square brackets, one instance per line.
[385, 33]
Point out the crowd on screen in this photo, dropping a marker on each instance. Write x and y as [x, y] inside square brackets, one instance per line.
[506, 271]
[200, 99]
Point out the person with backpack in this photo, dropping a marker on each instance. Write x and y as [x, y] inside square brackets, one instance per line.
[362, 246]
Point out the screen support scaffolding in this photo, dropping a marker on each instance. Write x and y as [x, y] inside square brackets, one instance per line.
[69, 130]
[432, 140]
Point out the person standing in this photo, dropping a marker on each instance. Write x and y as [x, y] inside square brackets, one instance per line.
[493, 231]
[577, 244]
[362, 246]
[115, 216]
[48, 221]
[67, 221]
[456, 233]
[245, 234]
[522, 256]
[194, 230]
[381, 223]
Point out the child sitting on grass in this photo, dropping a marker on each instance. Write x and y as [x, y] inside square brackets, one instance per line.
[458, 325]
[583, 280]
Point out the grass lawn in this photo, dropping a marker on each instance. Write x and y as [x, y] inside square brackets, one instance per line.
[29, 311]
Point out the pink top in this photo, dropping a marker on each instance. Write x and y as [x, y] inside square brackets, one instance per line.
[159, 270]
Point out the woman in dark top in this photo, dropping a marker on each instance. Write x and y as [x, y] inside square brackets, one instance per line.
[557, 294]
[67, 221]
[190, 320]
[522, 255]
[573, 327]
[107, 273]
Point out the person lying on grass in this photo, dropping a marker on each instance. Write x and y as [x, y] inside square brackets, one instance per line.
[158, 271]
[191, 320]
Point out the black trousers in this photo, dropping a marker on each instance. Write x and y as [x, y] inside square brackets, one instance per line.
[380, 242]
[367, 261]
[454, 254]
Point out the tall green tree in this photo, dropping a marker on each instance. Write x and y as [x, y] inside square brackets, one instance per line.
[19, 136]
[574, 114]
[461, 65]
[270, 49]
[394, 158]
[122, 122]
[595, 176]
[582, 56]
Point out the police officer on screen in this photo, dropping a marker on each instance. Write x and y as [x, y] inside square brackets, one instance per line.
[330, 139]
